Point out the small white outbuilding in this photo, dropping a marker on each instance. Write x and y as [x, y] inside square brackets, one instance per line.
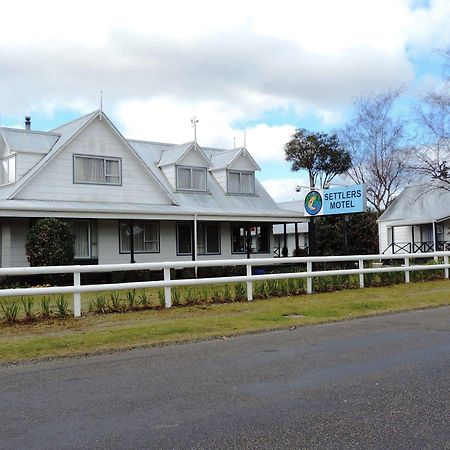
[417, 221]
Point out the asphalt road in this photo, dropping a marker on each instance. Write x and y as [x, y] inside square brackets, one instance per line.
[381, 383]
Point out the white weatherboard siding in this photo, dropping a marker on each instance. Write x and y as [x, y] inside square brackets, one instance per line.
[25, 161]
[383, 238]
[242, 163]
[108, 241]
[4, 150]
[192, 158]
[221, 177]
[55, 181]
[170, 173]
[13, 242]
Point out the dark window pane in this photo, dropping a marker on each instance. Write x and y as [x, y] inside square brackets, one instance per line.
[184, 234]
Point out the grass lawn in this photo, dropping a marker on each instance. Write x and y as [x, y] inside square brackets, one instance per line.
[100, 333]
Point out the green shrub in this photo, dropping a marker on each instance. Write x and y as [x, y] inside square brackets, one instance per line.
[143, 299]
[115, 302]
[176, 297]
[62, 306]
[189, 296]
[99, 304]
[227, 295]
[131, 299]
[45, 307]
[10, 311]
[240, 292]
[161, 298]
[50, 242]
[28, 304]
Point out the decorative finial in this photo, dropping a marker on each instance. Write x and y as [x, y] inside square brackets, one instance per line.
[194, 122]
[234, 142]
[245, 139]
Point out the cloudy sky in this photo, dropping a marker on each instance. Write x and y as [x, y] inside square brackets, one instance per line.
[265, 67]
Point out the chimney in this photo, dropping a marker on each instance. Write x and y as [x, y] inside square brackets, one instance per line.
[27, 123]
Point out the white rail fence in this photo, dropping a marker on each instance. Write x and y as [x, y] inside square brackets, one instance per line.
[167, 283]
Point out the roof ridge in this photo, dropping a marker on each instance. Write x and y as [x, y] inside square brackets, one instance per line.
[76, 120]
[152, 142]
[23, 130]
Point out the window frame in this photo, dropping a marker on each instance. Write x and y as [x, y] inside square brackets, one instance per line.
[243, 225]
[240, 172]
[203, 223]
[90, 226]
[191, 169]
[9, 158]
[105, 175]
[128, 252]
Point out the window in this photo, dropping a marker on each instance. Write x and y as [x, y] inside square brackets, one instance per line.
[145, 234]
[259, 236]
[191, 178]
[86, 243]
[8, 170]
[208, 238]
[184, 239]
[240, 182]
[97, 170]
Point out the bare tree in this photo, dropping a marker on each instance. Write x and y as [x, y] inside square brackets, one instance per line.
[375, 139]
[432, 154]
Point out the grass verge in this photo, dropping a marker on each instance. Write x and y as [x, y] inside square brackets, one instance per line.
[102, 333]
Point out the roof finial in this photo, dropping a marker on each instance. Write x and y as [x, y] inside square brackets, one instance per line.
[101, 105]
[245, 139]
[234, 142]
[194, 122]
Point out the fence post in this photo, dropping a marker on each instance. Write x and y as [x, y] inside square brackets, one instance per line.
[249, 284]
[446, 269]
[361, 275]
[167, 290]
[76, 295]
[309, 279]
[406, 271]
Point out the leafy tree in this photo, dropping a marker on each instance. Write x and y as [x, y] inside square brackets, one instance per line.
[320, 154]
[50, 242]
[362, 234]
[376, 141]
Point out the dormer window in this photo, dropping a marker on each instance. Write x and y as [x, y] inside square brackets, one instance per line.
[97, 170]
[8, 170]
[191, 178]
[241, 182]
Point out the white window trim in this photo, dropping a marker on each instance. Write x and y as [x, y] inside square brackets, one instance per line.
[206, 224]
[104, 158]
[8, 158]
[240, 172]
[191, 168]
[143, 222]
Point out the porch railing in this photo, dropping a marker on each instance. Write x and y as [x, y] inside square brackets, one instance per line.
[417, 247]
[303, 266]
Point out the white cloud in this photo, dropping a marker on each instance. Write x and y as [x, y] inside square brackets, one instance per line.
[284, 189]
[160, 64]
[166, 119]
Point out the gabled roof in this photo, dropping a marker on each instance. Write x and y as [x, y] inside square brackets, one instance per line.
[214, 204]
[19, 140]
[224, 160]
[175, 154]
[418, 204]
[67, 133]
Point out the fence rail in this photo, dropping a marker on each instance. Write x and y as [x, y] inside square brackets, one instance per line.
[167, 283]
